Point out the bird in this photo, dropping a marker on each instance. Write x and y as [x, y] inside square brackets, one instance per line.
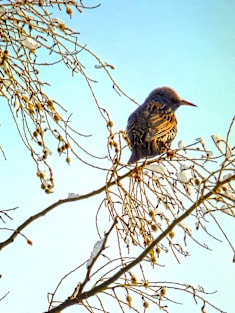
[152, 127]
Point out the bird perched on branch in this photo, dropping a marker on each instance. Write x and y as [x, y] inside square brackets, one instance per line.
[152, 127]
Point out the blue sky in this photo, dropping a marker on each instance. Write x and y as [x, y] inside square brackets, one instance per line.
[187, 45]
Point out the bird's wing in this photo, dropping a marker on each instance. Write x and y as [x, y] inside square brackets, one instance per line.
[131, 122]
[159, 126]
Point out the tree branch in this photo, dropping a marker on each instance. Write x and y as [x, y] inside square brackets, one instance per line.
[57, 204]
[69, 302]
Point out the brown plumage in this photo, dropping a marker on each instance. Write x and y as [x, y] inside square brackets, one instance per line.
[152, 127]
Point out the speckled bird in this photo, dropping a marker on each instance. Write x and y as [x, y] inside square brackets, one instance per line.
[152, 127]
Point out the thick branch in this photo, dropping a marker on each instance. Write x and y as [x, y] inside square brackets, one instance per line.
[115, 277]
[57, 204]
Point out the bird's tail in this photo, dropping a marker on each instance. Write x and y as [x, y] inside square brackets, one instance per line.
[135, 156]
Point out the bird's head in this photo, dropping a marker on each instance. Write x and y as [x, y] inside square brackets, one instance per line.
[168, 98]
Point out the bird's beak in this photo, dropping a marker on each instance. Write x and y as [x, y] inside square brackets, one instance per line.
[184, 102]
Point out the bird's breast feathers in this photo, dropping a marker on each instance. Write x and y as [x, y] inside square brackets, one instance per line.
[159, 125]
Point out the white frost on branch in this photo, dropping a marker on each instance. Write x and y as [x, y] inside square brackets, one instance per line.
[204, 210]
[228, 210]
[218, 140]
[201, 140]
[29, 42]
[156, 168]
[200, 288]
[96, 250]
[185, 166]
[73, 195]
[209, 155]
[181, 145]
[184, 175]
[17, 104]
[105, 64]
[185, 228]
[227, 176]
[4, 86]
